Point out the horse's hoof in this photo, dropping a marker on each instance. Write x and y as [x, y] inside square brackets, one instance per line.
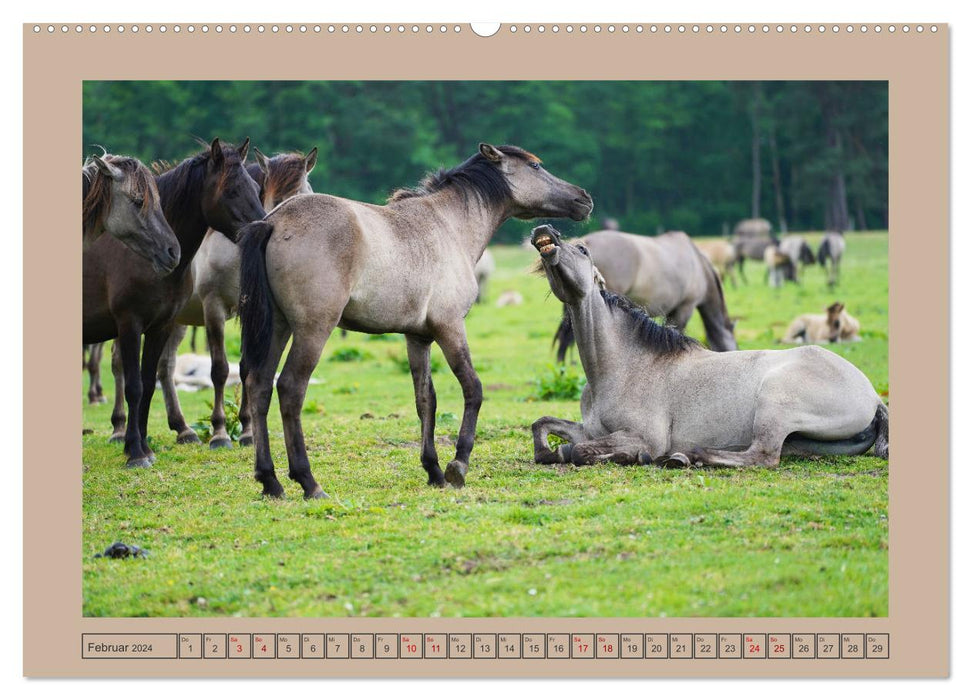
[644, 458]
[317, 492]
[117, 437]
[139, 463]
[220, 443]
[151, 457]
[97, 399]
[188, 437]
[675, 460]
[564, 453]
[455, 473]
[246, 441]
[273, 491]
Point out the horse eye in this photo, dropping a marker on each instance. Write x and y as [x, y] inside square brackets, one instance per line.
[583, 249]
[138, 202]
[534, 165]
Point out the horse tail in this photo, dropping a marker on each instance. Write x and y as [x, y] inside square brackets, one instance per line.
[876, 435]
[255, 304]
[564, 336]
[714, 312]
[824, 252]
[881, 448]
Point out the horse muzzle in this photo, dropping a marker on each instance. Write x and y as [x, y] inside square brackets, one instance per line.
[546, 240]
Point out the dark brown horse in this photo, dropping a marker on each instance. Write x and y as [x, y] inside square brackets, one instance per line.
[123, 298]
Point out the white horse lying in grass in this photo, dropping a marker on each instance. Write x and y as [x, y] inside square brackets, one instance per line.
[653, 394]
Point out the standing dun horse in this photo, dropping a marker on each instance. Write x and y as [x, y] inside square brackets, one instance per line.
[317, 262]
[214, 300]
[665, 274]
[830, 254]
[751, 237]
[119, 197]
[653, 394]
[122, 296]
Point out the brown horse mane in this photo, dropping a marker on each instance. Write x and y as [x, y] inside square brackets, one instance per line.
[287, 172]
[477, 177]
[96, 188]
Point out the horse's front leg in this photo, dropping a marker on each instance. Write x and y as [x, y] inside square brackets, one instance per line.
[118, 412]
[572, 432]
[128, 341]
[456, 351]
[419, 359]
[166, 377]
[621, 447]
[215, 317]
[155, 341]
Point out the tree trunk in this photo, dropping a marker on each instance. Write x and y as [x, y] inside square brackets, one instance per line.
[780, 207]
[756, 151]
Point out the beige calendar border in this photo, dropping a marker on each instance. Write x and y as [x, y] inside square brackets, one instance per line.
[916, 64]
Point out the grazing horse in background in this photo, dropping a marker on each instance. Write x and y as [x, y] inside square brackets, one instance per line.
[317, 262]
[215, 297]
[653, 394]
[750, 238]
[119, 197]
[782, 261]
[665, 274]
[722, 255]
[484, 269]
[122, 296]
[830, 254]
[835, 326]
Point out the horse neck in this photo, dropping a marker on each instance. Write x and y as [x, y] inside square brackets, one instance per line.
[471, 220]
[601, 340]
[714, 313]
[183, 211]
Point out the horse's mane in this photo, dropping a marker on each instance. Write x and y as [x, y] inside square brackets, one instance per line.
[287, 173]
[96, 188]
[477, 177]
[663, 340]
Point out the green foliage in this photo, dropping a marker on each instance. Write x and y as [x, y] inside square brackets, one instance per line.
[559, 382]
[203, 426]
[655, 155]
[350, 355]
[401, 362]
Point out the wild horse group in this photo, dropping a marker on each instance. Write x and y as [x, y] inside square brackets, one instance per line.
[194, 244]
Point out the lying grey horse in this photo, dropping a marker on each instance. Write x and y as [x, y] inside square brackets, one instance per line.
[653, 394]
[665, 274]
[317, 261]
[830, 253]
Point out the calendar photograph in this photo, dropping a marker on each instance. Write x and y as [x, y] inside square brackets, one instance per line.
[572, 349]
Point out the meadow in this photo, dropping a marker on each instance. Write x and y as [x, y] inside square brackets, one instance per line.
[809, 538]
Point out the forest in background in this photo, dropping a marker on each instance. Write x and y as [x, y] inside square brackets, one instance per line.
[674, 155]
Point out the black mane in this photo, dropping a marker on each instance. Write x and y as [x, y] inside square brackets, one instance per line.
[477, 177]
[663, 340]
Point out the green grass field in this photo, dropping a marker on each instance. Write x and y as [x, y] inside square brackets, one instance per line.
[807, 539]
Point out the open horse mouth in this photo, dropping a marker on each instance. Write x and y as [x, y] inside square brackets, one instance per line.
[545, 239]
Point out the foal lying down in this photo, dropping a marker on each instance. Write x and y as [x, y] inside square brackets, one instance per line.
[655, 395]
[835, 326]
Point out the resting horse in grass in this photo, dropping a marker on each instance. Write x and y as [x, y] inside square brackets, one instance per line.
[665, 274]
[122, 296]
[215, 296]
[317, 262]
[119, 197]
[653, 394]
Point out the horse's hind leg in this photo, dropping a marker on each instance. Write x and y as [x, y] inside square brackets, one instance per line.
[259, 388]
[426, 404]
[567, 430]
[118, 413]
[456, 350]
[215, 317]
[245, 424]
[95, 392]
[308, 342]
[166, 376]
[766, 448]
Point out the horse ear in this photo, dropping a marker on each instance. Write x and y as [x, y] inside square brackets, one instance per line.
[262, 161]
[216, 151]
[244, 149]
[311, 160]
[490, 152]
[108, 170]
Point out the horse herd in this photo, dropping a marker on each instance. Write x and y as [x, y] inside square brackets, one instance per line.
[198, 242]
